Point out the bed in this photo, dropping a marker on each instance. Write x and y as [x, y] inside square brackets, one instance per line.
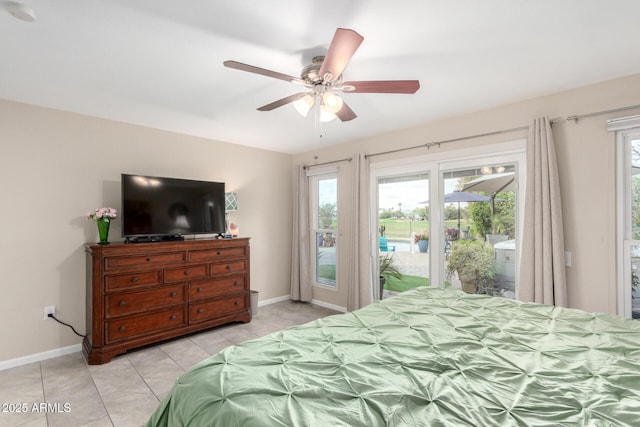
[426, 357]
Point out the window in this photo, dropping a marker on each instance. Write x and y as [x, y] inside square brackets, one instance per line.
[324, 227]
[629, 218]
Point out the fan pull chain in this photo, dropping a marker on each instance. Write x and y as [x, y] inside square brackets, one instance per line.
[318, 126]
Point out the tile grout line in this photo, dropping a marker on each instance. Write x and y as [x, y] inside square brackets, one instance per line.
[44, 397]
[142, 376]
[99, 394]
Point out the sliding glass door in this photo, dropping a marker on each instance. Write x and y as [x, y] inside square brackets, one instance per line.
[449, 223]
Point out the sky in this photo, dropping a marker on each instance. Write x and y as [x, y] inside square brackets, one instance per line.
[409, 193]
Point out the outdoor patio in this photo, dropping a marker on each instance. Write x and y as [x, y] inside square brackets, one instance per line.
[415, 264]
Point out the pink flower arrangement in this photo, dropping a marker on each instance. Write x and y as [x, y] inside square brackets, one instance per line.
[105, 214]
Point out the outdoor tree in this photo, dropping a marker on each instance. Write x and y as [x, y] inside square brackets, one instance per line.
[451, 212]
[326, 215]
[480, 218]
[500, 221]
[421, 212]
[635, 208]
[386, 214]
[635, 185]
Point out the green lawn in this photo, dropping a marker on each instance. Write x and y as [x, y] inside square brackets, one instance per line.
[407, 282]
[402, 228]
[327, 272]
[404, 283]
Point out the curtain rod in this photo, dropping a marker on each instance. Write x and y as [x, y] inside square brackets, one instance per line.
[431, 144]
[347, 159]
[574, 118]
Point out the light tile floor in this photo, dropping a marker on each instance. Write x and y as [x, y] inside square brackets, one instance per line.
[65, 391]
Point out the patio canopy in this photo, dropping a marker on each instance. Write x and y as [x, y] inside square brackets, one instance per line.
[493, 183]
[464, 197]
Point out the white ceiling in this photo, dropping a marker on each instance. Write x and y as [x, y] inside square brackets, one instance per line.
[158, 63]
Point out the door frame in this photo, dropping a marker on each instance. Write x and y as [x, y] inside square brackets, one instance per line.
[435, 164]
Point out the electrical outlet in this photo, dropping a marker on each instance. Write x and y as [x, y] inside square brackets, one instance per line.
[49, 309]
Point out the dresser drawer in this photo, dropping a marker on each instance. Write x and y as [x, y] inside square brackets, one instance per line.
[136, 302]
[229, 267]
[216, 287]
[215, 254]
[114, 263]
[141, 325]
[185, 273]
[210, 310]
[132, 280]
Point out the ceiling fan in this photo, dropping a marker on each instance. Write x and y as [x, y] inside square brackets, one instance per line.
[323, 78]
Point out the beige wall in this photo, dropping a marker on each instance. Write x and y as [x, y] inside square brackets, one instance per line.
[56, 166]
[586, 156]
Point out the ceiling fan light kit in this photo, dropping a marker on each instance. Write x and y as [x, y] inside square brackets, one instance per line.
[323, 77]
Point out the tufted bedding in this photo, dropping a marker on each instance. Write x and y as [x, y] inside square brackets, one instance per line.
[427, 357]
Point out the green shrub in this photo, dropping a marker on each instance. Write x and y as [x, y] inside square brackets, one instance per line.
[473, 261]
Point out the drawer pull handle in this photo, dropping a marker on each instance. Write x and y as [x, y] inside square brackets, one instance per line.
[228, 267]
[122, 303]
[237, 303]
[187, 272]
[174, 317]
[148, 259]
[200, 311]
[219, 253]
[173, 294]
[121, 328]
[236, 283]
[134, 279]
[200, 290]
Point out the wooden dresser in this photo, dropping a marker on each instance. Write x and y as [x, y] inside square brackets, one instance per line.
[142, 293]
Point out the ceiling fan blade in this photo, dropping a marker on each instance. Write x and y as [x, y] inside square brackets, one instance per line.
[345, 113]
[280, 102]
[263, 71]
[344, 44]
[382, 86]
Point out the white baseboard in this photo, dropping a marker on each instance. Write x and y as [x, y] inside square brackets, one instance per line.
[38, 357]
[315, 301]
[329, 306]
[273, 300]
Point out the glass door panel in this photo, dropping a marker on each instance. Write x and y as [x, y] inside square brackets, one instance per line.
[479, 213]
[403, 231]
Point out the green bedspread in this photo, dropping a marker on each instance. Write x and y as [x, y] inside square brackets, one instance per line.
[427, 357]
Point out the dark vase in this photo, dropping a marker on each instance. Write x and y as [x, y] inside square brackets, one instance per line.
[103, 231]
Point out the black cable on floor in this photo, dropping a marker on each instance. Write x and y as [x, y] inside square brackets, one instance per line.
[65, 324]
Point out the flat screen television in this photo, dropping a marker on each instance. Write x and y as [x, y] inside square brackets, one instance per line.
[157, 208]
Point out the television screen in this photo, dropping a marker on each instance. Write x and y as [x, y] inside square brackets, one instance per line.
[155, 206]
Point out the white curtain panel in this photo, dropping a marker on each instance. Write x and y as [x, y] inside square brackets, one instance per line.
[300, 249]
[360, 285]
[542, 270]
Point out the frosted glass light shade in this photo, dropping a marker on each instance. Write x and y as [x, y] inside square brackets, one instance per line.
[332, 102]
[303, 105]
[326, 115]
